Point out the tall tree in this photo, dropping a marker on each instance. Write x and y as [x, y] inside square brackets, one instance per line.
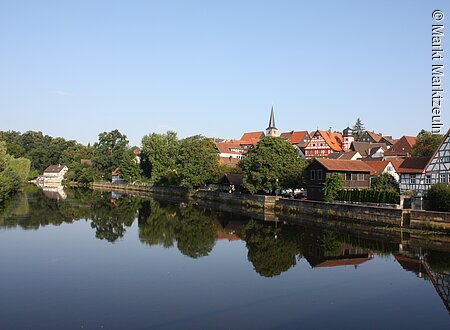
[358, 129]
[426, 144]
[273, 164]
[129, 167]
[159, 152]
[109, 151]
[197, 162]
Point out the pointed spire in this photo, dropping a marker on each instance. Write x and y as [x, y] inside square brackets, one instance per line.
[271, 120]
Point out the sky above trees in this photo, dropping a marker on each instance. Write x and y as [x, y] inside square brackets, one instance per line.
[72, 69]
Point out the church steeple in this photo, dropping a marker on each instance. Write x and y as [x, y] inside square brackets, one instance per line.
[271, 130]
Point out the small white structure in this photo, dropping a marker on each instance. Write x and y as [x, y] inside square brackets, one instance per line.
[53, 175]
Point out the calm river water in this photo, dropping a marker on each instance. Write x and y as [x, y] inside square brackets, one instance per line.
[87, 260]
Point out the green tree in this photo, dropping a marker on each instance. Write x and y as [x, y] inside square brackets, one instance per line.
[129, 168]
[439, 197]
[358, 129]
[273, 164]
[159, 153]
[109, 151]
[197, 162]
[426, 144]
[332, 186]
[385, 182]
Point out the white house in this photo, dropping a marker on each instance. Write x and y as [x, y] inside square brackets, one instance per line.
[53, 175]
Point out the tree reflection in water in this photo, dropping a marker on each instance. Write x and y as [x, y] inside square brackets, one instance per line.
[193, 231]
[271, 250]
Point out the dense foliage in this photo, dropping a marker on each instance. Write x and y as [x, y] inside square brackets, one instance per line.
[13, 171]
[188, 163]
[426, 144]
[332, 186]
[439, 197]
[385, 181]
[273, 164]
[389, 196]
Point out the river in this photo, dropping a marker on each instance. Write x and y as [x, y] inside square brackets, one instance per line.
[78, 259]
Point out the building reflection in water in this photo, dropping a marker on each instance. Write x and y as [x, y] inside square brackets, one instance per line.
[55, 192]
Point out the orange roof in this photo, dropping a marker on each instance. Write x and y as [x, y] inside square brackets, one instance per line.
[252, 135]
[295, 137]
[334, 140]
[413, 165]
[345, 165]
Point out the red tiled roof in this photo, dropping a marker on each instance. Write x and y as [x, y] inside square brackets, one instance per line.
[295, 137]
[378, 165]
[252, 135]
[224, 147]
[413, 165]
[334, 140]
[345, 165]
[396, 162]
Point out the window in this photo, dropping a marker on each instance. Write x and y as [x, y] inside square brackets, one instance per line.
[360, 177]
[412, 179]
[319, 174]
[428, 179]
[442, 178]
[313, 175]
[348, 176]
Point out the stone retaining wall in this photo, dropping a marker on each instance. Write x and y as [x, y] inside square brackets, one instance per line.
[342, 211]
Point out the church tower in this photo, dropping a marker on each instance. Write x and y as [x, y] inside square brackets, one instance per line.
[348, 138]
[271, 130]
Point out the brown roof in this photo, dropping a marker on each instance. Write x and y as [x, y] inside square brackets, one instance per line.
[375, 136]
[344, 165]
[413, 165]
[224, 147]
[342, 155]
[54, 168]
[378, 166]
[342, 262]
[232, 178]
[402, 147]
[248, 136]
[396, 162]
[366, 149]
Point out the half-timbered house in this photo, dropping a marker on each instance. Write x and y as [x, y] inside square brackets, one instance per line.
[438, 168]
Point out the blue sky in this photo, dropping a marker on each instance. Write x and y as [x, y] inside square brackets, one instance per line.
[77, 68]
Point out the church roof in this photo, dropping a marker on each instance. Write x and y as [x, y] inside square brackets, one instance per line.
[271, 120]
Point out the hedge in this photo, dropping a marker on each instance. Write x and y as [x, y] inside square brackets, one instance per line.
[369, 195]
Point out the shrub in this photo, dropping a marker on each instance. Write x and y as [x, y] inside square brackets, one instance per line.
[439, 197]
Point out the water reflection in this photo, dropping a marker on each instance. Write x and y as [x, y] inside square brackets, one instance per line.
[273, 248]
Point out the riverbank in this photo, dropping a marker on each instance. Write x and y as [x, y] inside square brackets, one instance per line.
[292, 208]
